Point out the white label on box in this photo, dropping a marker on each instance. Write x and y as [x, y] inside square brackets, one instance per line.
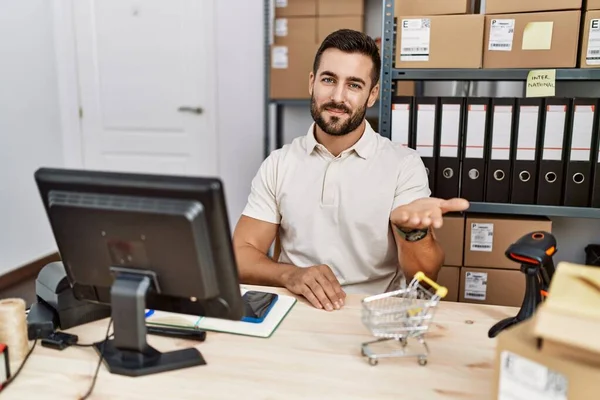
[523, 379]
[475, 285]
[281, 27]
[279, 57]
[501, 34]
[482, 236]
[593, 45]
[414, 43]
[280, 3]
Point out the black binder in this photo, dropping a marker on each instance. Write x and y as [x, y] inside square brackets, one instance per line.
[474, 144]
[499, 160]
[525, 151]
[579, 159]
[426, 124]
[595, 197]
[554, 134]
[449, 149]
[402, 119]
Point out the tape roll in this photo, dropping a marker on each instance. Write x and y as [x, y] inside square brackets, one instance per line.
[13, 328]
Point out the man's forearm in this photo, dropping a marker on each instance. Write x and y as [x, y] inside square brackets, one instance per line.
[424, 255]
[256, 268]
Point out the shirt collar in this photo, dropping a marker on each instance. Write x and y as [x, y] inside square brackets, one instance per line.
[365, 147]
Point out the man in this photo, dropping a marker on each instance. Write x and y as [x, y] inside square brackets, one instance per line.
[351, 209]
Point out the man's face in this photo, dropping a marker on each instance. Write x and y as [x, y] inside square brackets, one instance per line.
[341, 91]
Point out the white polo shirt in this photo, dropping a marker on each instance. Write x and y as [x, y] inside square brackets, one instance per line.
[336, 210]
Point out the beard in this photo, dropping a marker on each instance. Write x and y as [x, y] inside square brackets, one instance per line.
[335, 126]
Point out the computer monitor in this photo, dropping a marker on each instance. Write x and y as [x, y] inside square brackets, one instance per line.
[142, 241]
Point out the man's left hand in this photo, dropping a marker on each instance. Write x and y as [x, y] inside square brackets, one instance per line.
[426, 212]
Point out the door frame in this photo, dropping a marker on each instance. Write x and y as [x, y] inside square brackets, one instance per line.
[68, 81]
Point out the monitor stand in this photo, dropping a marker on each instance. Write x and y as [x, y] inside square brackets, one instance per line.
[129, 353]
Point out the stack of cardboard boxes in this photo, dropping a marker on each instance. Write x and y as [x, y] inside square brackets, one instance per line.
[298, 29]
[476, 269]
[497, 34]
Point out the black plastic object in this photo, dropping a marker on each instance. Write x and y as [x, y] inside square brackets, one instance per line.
[56, 306]
[129, 353]
[592, 255]
[534, 251]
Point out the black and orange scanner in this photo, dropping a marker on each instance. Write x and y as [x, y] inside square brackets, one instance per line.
[534, 252]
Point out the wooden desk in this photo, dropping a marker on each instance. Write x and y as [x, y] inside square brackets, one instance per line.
[314, 354]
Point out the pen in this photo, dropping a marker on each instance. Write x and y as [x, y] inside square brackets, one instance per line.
[177, 333]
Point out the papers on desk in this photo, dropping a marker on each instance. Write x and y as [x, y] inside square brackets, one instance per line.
[263, 329]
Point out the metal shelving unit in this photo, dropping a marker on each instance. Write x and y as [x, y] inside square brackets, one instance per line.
[570, 82]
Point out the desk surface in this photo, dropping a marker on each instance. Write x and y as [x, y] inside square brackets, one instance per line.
[313, 354]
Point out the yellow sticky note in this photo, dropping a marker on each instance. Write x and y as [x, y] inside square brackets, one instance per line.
[538, 35]
[541, 83]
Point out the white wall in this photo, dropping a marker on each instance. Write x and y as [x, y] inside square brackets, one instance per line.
[29, 115]
[29, 128]
[240, 58]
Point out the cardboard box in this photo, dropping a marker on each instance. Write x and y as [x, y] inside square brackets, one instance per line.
[449, 277]
[500, 287]
[440, 41]
[451, 238]
[290, 69]
[531, 40]
[405, 88]
[524, 370]
[295, 8]
[592, 5]
[403, 8]
[292, 57]
[327, 25]
[519, 6]
[295, 31]
[569, 319]
[590, 42]
[487, 237]
[341, 7]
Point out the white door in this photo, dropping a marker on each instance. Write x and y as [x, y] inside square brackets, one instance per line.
[146, 81]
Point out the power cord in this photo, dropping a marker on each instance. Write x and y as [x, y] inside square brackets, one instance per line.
[13, 377]
[91, 389]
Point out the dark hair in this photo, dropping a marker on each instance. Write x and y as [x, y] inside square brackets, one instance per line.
[350, 41]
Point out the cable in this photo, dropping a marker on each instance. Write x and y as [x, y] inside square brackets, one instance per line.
[14, 376]
[91, 344]
[89, 392]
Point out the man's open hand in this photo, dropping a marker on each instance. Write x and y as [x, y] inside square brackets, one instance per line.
[317, 284]
[426, 212]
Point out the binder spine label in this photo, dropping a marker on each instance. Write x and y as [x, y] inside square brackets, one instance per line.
[501, 133]
[475, 285]
[527, 134]
[475, 131]
[450, 130]
[400, 123]
[482, 236]
[592, 56]
[554, 132]
[583, 123]
[414, 39]
[501, 34]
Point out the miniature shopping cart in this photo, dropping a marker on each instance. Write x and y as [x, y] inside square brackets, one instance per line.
[400, 315]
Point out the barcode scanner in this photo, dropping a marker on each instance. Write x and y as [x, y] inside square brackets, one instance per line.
[534, 252]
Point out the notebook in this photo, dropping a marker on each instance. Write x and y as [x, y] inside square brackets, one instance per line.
[264, 329]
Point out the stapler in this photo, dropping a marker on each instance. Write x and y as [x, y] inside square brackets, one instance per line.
[56, 306]
[534, 252]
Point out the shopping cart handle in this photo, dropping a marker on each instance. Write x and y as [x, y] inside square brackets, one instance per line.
[439, 290]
